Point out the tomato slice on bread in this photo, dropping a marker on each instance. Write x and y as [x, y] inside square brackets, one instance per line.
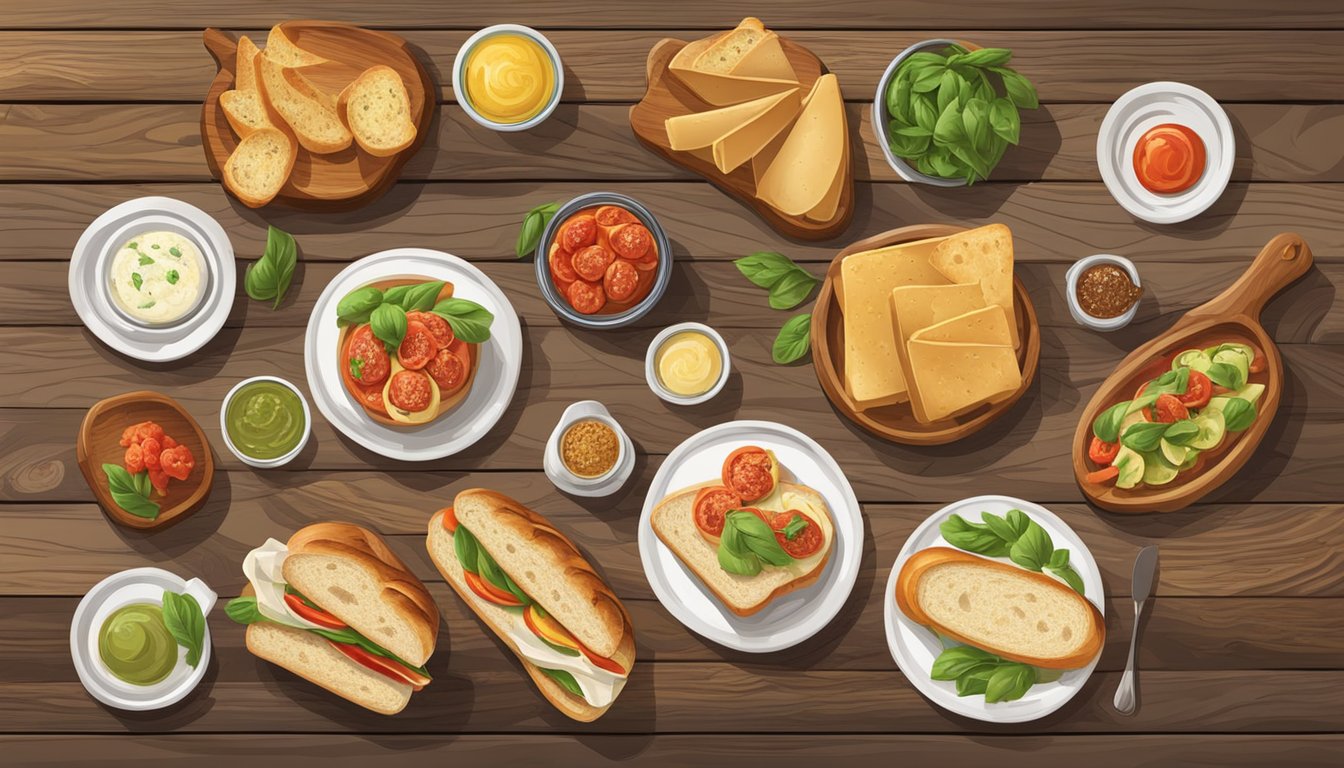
[807, 538]
[313, 613]
[711, 507]
[489, 592]
[751, 472]
[383, 665]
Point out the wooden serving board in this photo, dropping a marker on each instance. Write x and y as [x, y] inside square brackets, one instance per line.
[897, 423]
[345, 179]
[99, 443]
[668, 97]
[1234, 315]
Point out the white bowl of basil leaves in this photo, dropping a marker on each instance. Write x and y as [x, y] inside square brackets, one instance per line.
[946, 111]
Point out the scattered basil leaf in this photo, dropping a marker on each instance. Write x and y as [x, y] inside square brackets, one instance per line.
[388, 322]
[794, 339]
[1238, 414]
[1008, 528]
[958, 660]
[268, 278]
[470, 321]
[358, 304]
[1010, 682]
[973, 537]
[243, 610]
[1107, 424]
[125, 491]
[185, 622]
[792, 289]
[534, 223]
[1033, 548]
[975, 682]
[764, 268]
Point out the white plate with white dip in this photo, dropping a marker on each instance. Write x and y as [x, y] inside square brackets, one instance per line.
[153, 278]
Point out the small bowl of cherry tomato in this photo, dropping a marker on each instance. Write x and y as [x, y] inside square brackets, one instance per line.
[604, 261]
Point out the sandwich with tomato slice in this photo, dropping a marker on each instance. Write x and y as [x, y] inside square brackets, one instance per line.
[531, 586]
[748, 535]
[334, 606]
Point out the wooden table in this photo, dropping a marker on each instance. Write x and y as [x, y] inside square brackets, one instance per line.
[1243, 655]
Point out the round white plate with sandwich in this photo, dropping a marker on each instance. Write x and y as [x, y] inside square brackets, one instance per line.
[1005, 630]
[491, 386]
[765, 564]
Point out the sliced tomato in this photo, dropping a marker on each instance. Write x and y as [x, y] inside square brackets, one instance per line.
[600, 662]
[449, 519]
[410, 391]
[1258, 362]
[631, 241]
[1101, 452]
[313, 614]
[450, 367]
[562, 265]
[489, 592]
[586, 297]
[399, 672]
[580, 231]
[711, 506]
[418, 346]
[1102, 476]
[1197, 392]
[591, 263]
[621, 280]
[611, 215]
[806, 542]
[438, 327]
[366, 359]
[1170, 409]
[751, 472]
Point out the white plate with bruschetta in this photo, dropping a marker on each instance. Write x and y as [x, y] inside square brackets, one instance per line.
[363, 383]
[1001, 601]
[751, 535]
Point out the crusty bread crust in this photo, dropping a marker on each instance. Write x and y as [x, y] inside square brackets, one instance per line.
[907, 590]
[253, 636]
[802, 582]
[441, 552]
[401, 589]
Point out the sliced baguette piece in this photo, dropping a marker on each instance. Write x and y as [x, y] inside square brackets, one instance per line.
[315, 660]
[245, 68]
[1011, 612]
[245, 111]
[308, 112]
[350, 572]
[280, 48]
[377, 110]
[259, 166]
[673, 520]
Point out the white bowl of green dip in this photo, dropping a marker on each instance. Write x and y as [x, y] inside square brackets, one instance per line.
[265, 421]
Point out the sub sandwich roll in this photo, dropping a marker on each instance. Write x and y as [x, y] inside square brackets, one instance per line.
[530, 585]
[334, 606]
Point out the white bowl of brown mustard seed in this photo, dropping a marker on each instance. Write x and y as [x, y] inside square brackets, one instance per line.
[588, 454]
[1103, 291]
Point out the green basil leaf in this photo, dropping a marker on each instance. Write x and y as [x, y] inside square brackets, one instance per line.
[765, 268]
[565, 679]
[1181, 432]
[466, 548]
[1010, 682]
[973, 537]
[950, 130]
[1058, 559]
[1226, 375]
[958, 660]
[358, 304]
[351, 637]
[1008, 528]
[491, 572]
[470, 321]
[126, 493]
[949, 87]
[534, 223]
[145, 260]
[1139, 404]
[792, 289]
[388, 322]
[1020, 90]
[1143, 436]
[987, 57]
[758, 538]
[928, 78]
[1107, 424]
[1033, 548]
[1238, 414]
[421, 296]
[137, 280]
[794, 528]
[1005, 120]
[396, 295]
[733, 555]
[243, 610]
[976, 682]
[794, 339]
[925, 113]
[1069, 575]
[172, 277]
[908, 141]
[186, 623]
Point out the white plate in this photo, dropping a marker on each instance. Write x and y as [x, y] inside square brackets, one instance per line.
[88, 291]
[1147, 107]
[567, 481]
[914, 647]
[787, 620]
[137, 585]
[491, 389]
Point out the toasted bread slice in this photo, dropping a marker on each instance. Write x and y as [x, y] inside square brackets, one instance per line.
[983, 255]
[723, 54]
[377, 109]
[280, 48]
[309, 112]
[260, 166]
[673, 520]
[317, 661]
[245, 68]
[1009, 611]
[245, 111]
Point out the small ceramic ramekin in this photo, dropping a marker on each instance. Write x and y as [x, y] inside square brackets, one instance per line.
[569, 482]
[1104, 324]
[459, 77]
[880, 117]
[651, 364]
[278, 461]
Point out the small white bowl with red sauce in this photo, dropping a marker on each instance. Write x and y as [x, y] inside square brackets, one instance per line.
[1165, 127]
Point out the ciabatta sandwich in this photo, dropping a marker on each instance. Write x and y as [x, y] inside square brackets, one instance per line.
[333, 605]
[530, 585]
[1011, 612]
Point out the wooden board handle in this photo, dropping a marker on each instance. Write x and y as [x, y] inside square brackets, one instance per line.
[220, 46]
[1284, 259]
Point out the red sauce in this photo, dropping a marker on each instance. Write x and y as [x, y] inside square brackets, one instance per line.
[1169, 159]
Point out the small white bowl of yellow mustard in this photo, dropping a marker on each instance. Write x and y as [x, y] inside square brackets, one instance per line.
[508, 77]
[687, 364]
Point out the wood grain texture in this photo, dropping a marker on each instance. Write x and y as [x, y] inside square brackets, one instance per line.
[1232, 65]
[161, 142]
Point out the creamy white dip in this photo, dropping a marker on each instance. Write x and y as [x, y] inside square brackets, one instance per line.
[157, 277]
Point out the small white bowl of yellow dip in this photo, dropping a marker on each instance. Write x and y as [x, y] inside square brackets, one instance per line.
[508, 77]
[687, 364]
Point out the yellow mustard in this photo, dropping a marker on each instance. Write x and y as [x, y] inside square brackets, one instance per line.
[509, 78]
[689, 363]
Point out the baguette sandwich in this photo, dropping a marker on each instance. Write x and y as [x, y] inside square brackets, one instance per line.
[751, 537]
[1016, 614]
[531, 586]
[334, 606]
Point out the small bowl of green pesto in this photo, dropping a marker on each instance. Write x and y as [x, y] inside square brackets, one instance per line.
[265, 421]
